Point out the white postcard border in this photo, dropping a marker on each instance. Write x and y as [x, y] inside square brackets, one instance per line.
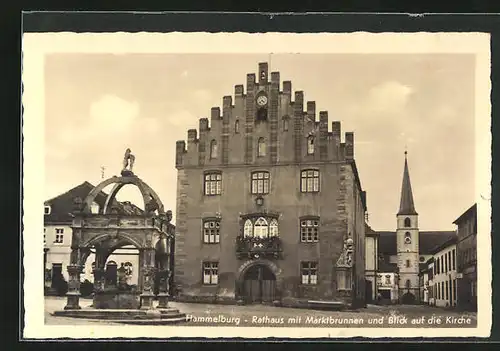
[37, 45]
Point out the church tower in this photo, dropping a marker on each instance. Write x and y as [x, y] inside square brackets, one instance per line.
[407, 242]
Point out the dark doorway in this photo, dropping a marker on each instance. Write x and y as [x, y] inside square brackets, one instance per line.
[57, 276]
[111, 273]
[408, 298]
[259, 285]
[368, 291]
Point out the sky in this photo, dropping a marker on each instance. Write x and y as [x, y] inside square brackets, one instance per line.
[97, 105]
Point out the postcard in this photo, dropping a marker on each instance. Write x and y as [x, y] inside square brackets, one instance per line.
[284, 185]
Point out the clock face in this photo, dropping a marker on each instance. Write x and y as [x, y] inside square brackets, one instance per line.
[262, 100]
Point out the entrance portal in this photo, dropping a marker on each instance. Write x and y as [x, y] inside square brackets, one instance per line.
[259, 285]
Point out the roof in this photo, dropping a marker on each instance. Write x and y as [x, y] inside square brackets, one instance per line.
[387, 267]
[451, 241]
[62, 205]
[427, 241]
[406, 206]
[369, 231]
[471, 211]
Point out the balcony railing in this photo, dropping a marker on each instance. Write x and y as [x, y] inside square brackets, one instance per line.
[256, 247]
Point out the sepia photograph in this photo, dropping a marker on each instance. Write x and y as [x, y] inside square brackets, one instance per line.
[270, 185]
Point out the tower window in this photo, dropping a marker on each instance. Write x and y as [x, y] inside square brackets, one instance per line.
[407, 238]
[261, 147]
[407, 222]
[237, 127]
[213, 149]
[407, 263]
[408, 283]
[310, 145]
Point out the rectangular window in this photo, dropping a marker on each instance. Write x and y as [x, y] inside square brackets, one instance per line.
[210, 273]
[260, 183]
[309, 181]
[59, 236]
[211, 232]
[309, 273]
[407, 263]
[453, 259]
[309, 230]
[446, 263]
[213, 184]
[442, 290]
[446, 290]
[46, 210]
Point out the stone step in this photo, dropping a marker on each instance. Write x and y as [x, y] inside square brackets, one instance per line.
[123, 315]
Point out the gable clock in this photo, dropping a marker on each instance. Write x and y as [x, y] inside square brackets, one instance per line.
[262, 100]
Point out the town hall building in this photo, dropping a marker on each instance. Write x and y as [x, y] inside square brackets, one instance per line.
[270, 207]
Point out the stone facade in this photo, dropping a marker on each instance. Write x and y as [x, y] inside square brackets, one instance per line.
[266, 135]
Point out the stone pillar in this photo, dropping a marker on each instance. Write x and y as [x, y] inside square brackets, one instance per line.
[163, 294]
[148, 278]
[73, 294]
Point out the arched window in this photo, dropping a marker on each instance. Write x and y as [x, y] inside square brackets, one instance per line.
[407, 222]
[248, 228]
[310, 145]
[213, 149]
[94, 209]
[273, 228]
[261, 147]
[407, 238]
[237, 126]
[261, 228]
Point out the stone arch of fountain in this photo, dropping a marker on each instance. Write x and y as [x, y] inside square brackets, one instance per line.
[149, 231]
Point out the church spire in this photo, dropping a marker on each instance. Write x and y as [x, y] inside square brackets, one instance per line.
[406, 206]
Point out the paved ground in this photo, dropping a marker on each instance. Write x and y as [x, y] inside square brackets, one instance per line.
[259, 315]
